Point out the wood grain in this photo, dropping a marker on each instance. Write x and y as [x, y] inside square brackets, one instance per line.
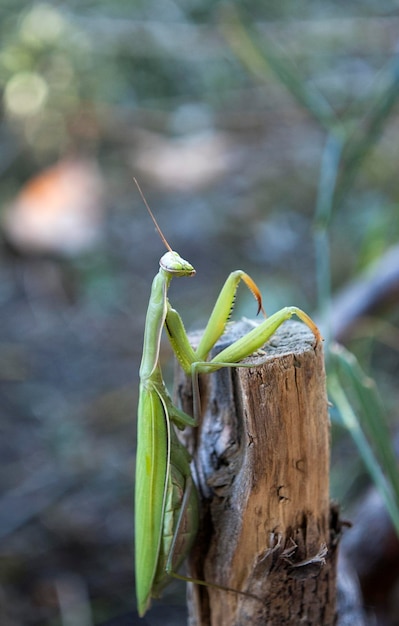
[261, 460]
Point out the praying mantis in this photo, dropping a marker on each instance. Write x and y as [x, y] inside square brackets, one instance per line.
[166, 499]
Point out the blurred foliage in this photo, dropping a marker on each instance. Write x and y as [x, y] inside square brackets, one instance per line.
[123, 82]
[356, 402]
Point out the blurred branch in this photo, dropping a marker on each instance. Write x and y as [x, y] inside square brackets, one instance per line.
[367, 294]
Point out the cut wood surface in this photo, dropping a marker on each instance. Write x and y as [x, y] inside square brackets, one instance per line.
[261, 460]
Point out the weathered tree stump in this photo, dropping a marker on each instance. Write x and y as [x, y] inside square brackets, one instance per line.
[261, 462]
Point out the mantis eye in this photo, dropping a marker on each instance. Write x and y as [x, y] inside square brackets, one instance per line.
[173, 263]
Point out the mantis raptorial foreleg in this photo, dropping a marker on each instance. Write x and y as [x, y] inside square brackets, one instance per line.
[166, 504]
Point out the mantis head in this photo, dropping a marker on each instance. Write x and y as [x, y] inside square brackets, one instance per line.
[174, 264]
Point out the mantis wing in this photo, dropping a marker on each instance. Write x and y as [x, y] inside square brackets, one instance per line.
[152, 462]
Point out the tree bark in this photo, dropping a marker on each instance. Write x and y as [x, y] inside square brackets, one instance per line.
[261, 463]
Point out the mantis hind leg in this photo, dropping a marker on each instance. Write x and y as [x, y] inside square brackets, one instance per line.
[181, 515]
[186, 505]
[169, 566]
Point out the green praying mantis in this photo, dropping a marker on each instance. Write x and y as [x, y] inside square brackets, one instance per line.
[166, 499]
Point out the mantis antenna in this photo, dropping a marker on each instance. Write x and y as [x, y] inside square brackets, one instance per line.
[162, 236]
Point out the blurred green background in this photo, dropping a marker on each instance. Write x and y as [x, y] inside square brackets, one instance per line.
[223, 117]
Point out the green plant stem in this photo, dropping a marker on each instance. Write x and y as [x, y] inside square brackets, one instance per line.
[351, 423]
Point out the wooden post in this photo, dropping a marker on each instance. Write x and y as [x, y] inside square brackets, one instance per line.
[261, 460]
